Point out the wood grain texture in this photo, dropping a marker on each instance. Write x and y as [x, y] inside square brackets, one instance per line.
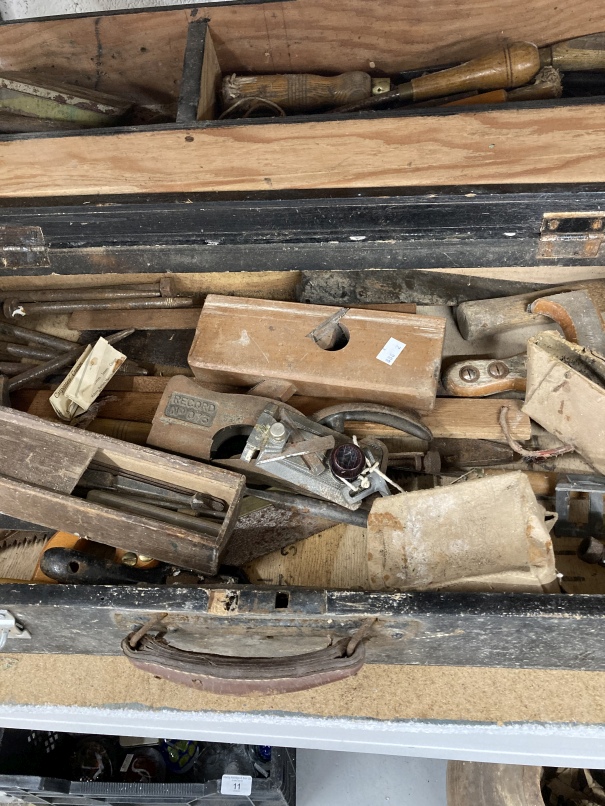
[452, 418]
[143, 535]
[504, 146]
[244, 341]
[185, 319]
[336, 558]
[140, 55]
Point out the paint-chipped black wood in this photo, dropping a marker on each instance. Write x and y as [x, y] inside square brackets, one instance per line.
[405, 232]
[451, 629]
[191, 77]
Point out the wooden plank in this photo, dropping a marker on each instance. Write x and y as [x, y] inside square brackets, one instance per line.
[507, 146]
[138, 406]
[265, 284]
[336, 558]
[32, 456]
[210, 81]
[455, 418]
[140, 55]
[177, 319]
[162, 541]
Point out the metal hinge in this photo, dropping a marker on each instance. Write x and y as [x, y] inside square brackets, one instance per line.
[23, 248]
[571, 235]
[10, 628]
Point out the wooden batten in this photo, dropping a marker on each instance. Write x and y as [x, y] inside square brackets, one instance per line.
[510, 146]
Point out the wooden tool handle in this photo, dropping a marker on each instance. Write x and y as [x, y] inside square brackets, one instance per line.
[484, 377]
[507, 67]
[583, 53]
[492, 97]
[481, 318]
[298, 92]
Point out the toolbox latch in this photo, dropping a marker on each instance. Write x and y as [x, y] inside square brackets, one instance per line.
[10, 627]
[23, 248]
[572, 235]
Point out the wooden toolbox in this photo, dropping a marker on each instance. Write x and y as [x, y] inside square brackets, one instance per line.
[428, 206]
[44, 461]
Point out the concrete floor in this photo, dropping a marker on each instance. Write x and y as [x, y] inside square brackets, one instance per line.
[359, 779]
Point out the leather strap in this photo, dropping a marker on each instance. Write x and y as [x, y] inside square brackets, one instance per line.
[223, 674]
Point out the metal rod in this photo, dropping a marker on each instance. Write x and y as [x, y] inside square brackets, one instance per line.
[25, 351]
[312, 506]
[11, 367]
[132, 505]
[69, 294]
[48, 367]
[35, 337]
[12, 308]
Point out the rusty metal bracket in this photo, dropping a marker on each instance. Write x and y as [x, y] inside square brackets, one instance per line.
[575, 235]
[23, 247]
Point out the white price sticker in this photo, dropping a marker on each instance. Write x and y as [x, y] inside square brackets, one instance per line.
[390, 351]
[236, 785]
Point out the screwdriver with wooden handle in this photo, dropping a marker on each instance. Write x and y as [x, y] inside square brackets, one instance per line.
[507, 67]
[296, 92]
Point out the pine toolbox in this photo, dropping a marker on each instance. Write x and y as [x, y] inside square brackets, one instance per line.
[424, 206]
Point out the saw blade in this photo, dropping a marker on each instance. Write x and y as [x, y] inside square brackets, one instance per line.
[14, 537]
[19, 554]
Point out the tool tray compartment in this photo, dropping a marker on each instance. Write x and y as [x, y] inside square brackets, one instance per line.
[269, 209]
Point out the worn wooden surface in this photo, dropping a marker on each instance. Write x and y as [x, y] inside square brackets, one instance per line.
[454, 418]
[41, 459]
[143, 535]
[185, 319]
[243, 341]
[69, 513]
[493, 784]
[507, 146]
[140, 55]
[336, 558]
[137, 406]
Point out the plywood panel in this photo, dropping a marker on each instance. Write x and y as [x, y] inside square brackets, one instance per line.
[507, 146]
[140, 54]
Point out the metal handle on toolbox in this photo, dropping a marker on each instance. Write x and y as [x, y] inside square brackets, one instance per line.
[225, 674]
[335, 417]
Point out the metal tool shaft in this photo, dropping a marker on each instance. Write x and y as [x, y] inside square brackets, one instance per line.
[48, 367]
[35, 337]
[11, 367]
[130, 504]
[69, 294]
[25, 351]
[14, 309]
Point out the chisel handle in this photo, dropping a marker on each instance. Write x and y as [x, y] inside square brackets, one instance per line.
[298, 92]
[507, 67]
[583, 53]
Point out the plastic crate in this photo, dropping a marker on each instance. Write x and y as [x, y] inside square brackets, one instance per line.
[39, 751]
